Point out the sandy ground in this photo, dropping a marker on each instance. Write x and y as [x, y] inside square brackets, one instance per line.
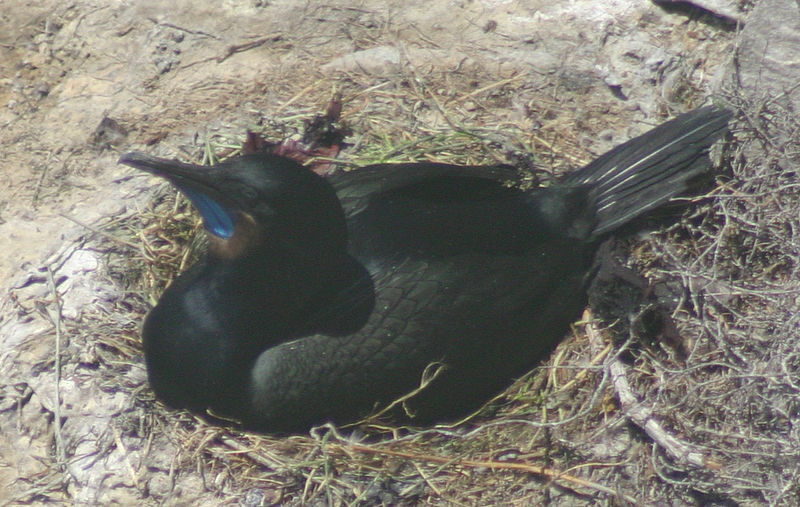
[82, 81]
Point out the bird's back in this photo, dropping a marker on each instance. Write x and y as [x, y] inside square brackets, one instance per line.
[471, 274]
[464, 274]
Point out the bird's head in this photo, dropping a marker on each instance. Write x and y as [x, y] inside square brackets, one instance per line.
[256, 201]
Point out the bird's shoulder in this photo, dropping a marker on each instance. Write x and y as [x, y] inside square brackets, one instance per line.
[424, 181]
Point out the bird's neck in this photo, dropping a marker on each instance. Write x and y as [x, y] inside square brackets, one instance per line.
[246, 236]
[272, 292]
[278, 269]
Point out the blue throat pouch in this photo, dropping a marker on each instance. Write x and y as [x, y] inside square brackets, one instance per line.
[216, 219]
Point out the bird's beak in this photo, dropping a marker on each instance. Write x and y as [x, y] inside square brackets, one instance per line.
[199, 183]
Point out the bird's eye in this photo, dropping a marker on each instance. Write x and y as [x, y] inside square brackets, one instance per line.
[249, 193]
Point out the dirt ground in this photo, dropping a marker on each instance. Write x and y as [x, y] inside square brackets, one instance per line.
[543, 85]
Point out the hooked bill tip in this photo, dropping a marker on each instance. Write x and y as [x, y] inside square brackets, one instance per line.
[140, 160]
[128, 158]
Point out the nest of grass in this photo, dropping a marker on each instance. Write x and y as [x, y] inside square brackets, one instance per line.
[615, 415]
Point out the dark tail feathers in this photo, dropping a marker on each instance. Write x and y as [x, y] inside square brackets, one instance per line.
[648, 170]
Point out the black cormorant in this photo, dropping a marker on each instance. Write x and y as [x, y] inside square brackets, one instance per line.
[323, 298]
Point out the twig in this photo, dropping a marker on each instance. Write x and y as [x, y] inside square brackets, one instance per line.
[298, 95]
[555, 475]
[238, 48]
[432, 371]
[231, 50]
[182, 29]
[125, 455]
[642, 415]
[101, 232]
[489, 87]
[40, 182]
[430, 94]
[56, 318]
